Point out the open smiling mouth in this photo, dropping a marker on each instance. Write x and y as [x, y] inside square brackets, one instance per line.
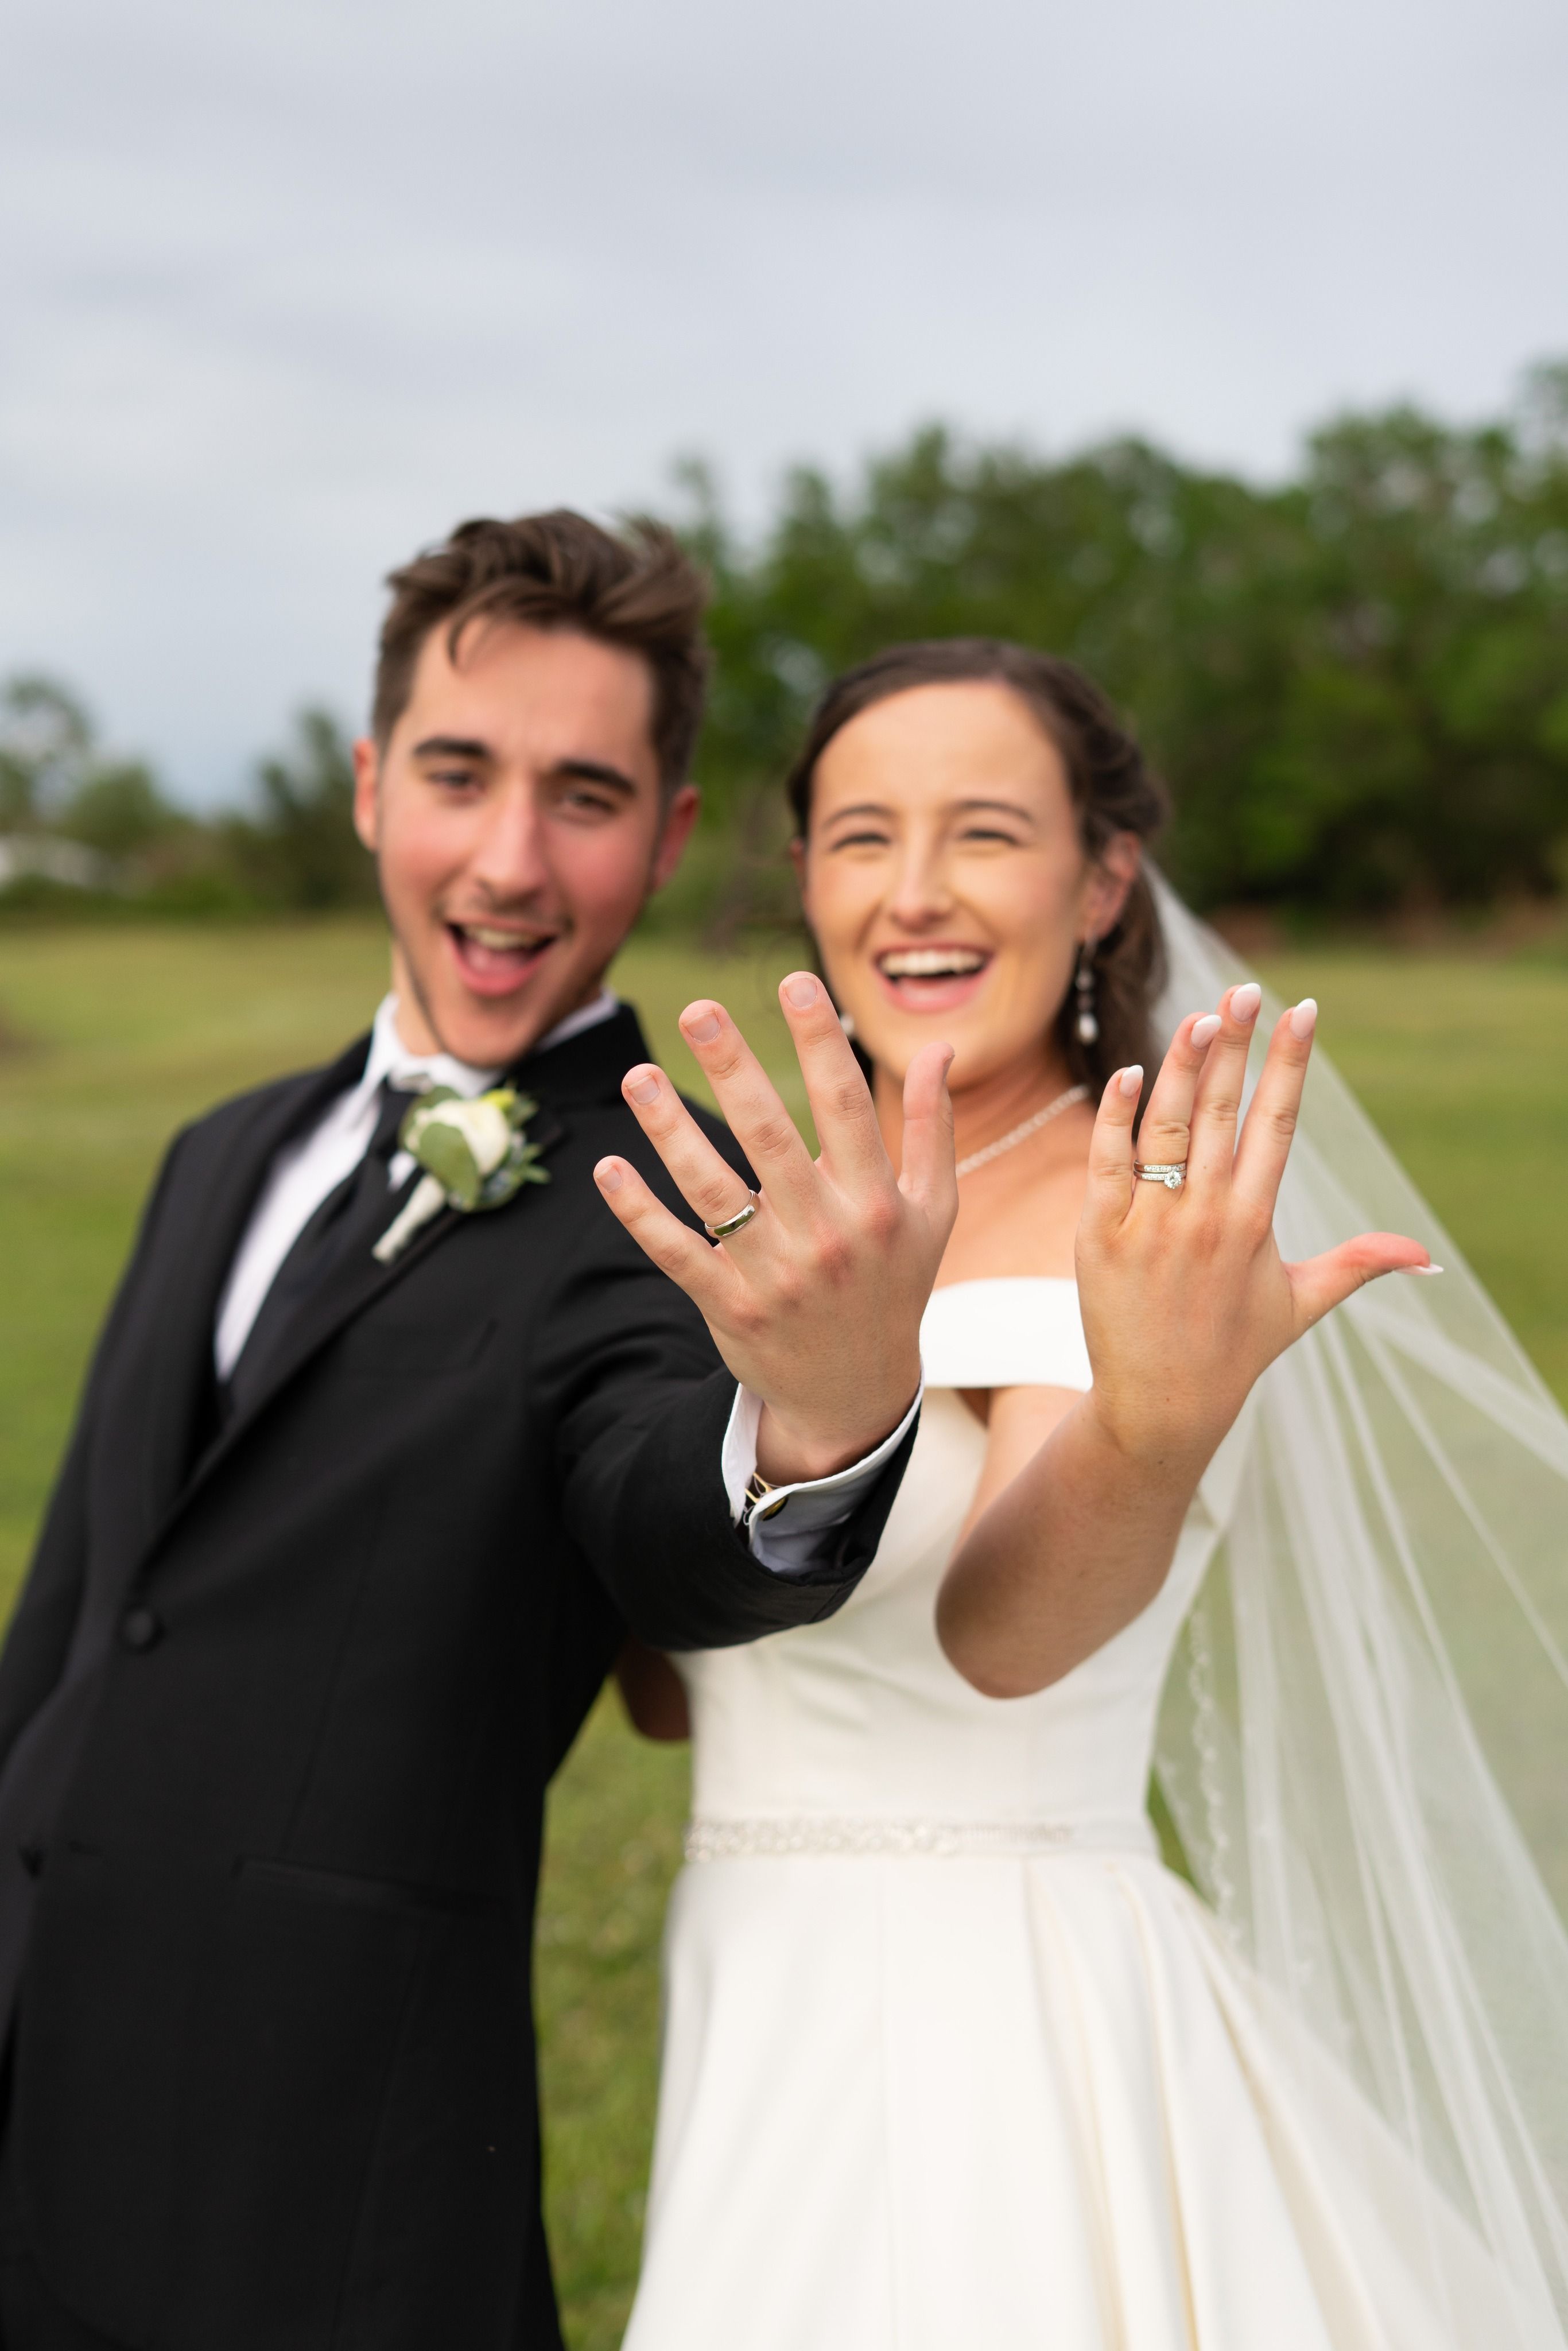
[495, 960]
[932, 978]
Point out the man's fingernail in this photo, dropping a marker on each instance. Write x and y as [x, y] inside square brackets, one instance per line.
[1131, 1080]
[800, 990]
[1206, 1030]
[1420, 1269]
[704, 1031]
[645, 1090]
[608, 1175]
[1304, 1017]
[1244, 1001]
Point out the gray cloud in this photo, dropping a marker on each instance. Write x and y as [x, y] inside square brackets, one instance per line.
[284, 292]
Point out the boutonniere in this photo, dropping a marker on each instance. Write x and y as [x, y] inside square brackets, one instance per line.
[475, 1151]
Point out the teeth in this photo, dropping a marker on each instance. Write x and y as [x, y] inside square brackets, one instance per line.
[931, 963]
[504, 942]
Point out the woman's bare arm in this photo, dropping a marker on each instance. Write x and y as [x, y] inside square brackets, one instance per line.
[1068, 1547]
[1185, 1300]
[1016, 1421]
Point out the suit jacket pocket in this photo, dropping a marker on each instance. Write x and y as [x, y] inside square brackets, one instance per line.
[400, 1897]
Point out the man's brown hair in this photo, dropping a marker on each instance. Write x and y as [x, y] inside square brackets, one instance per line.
[559, 570]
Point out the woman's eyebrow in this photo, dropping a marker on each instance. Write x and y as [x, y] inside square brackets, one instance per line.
[1007, 807]
[888, 809]
[859, 808]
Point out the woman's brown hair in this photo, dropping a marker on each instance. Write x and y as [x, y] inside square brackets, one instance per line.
[1114, 790]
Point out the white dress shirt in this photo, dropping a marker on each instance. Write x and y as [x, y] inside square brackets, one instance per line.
[792, 1539]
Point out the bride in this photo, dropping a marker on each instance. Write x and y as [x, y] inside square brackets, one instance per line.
[953, 2057]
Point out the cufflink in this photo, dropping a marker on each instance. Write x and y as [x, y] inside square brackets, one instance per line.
[757, 1489]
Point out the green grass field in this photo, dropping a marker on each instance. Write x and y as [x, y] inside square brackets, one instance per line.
[110, 1038]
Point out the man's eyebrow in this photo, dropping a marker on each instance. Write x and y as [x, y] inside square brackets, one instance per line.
[452, 747]
[597, 771]
[586, 772]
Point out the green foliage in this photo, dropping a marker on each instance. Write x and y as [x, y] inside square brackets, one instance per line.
[97, 835]
[46, 745]
[302, 850]
[118, 811]
[1356, 683]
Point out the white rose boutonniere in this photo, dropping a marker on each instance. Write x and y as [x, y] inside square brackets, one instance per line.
[475, 1151]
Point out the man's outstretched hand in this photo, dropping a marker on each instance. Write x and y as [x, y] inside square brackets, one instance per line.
[815, 1304]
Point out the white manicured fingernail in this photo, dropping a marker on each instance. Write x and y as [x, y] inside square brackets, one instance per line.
[1206, 1030]
[1131, 1080]
[1304, 1017]
[1420, 1269]
[703, 1030]
[608, 1175]
[800, 990]
[1244, 1001]
[645, 1090]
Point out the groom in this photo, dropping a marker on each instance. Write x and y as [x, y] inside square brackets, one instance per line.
[342, 1548]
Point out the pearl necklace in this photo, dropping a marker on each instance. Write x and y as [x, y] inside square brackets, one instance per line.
[1021, 1133]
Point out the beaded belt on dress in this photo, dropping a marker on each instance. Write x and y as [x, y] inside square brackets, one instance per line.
[816, 1834]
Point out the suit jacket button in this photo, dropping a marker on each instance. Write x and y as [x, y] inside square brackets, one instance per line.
[31, 1857]
[140, 1629]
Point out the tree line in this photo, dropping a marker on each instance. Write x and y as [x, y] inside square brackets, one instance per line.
[79, 826]
[1355, 681]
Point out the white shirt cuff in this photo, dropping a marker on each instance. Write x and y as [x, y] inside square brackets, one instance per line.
[791, 1538]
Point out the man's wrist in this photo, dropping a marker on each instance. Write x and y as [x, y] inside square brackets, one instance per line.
[788, 1455]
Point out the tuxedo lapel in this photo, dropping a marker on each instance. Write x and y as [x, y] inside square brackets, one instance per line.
[347, 1291]
[177, 1391]
[585, 1069]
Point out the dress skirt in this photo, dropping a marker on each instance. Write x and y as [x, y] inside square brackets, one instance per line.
[918, 2103]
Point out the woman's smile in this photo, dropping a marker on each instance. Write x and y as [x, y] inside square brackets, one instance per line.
[939, 976]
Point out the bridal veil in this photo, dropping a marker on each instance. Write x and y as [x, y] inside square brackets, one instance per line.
[1364, 1737]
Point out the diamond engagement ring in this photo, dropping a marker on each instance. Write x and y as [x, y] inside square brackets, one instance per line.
[1171, 1175]
[742, 1217]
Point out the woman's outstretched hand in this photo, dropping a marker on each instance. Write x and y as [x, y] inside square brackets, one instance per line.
[815, 1302]
[1185, 1302]
[1185, 1296]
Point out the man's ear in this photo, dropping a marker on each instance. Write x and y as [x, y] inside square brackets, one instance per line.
[367, 802]
[676, 830]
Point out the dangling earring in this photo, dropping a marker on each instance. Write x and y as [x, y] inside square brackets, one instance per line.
[847, 1023]
[1083, 981]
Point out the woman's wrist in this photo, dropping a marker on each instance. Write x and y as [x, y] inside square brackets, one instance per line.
[1163, 1453]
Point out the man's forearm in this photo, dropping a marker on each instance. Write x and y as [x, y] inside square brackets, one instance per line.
[648, 1504]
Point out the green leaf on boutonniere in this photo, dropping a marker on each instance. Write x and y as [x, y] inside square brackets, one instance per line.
[475, 1151]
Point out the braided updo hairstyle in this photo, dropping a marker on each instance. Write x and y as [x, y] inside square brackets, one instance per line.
[1114, 790]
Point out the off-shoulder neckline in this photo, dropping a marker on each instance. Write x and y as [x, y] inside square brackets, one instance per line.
[990, 1281]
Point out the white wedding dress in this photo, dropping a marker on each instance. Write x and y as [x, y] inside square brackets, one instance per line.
[952, 2061]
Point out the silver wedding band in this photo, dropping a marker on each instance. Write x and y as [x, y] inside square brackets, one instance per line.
[734, 1224]
[1172, 1174]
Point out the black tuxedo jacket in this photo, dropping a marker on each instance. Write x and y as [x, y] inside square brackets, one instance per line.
[277, 1712]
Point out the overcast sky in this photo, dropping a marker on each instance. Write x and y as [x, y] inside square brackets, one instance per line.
[287, 289]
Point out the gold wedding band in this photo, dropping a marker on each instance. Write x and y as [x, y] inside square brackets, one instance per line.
[742, 1217]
